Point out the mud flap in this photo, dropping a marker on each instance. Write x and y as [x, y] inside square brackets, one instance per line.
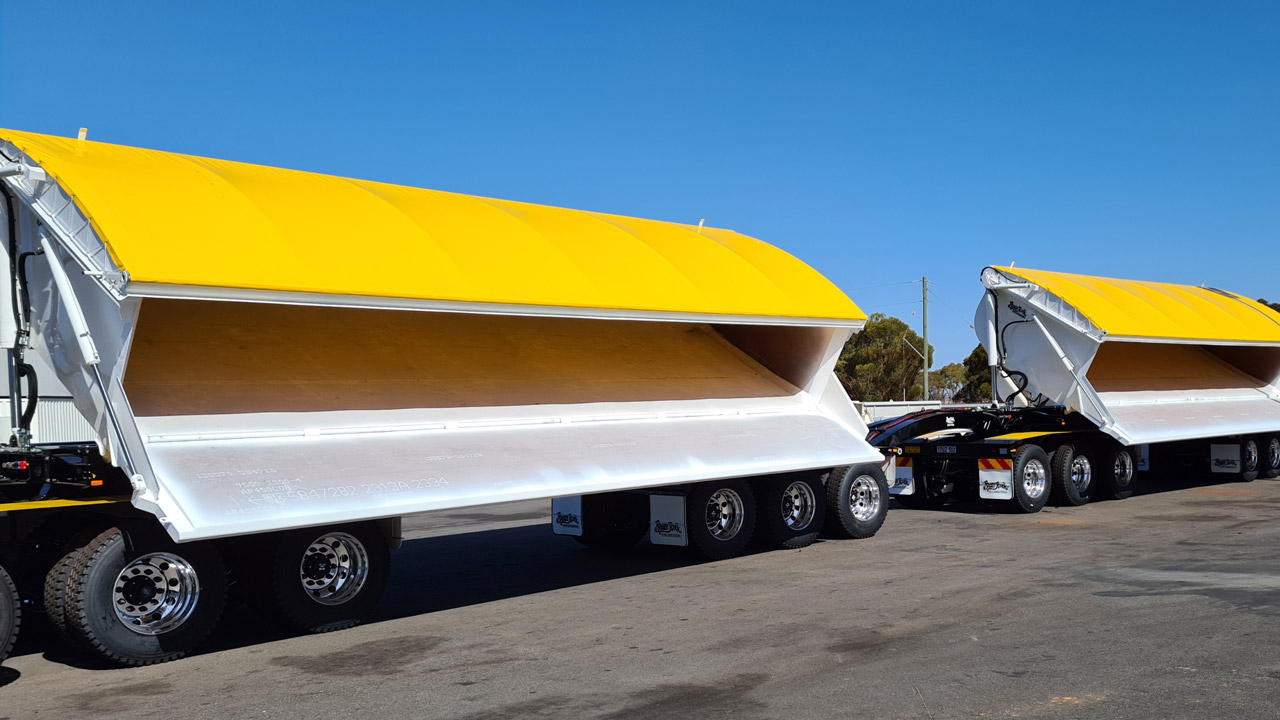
[566, 515]
[995, 479]
[1225, 458]
[666, 520]
[903, 474]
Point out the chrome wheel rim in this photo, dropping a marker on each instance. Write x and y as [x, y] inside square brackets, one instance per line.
[155, 593]
[1123, 469]
[1081, 473]
[1250, 456]
[798, 505]
[725, 514]
[1033, 478]
[864, 497]
[1273, 454]
[334, 568]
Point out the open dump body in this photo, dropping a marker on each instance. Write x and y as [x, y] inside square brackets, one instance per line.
[1146, 362]
[279, 349]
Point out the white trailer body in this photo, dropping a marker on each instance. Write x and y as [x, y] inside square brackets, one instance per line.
[260, 350]
[1146, 362]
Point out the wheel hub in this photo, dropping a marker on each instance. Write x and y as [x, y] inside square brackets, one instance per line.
[334, 568]
[864, 497]
[156, 593]
[1033, 479]
[798, 505]
[1081, 473]
[725, 514]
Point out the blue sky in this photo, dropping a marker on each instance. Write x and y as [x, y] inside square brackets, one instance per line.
[877, 141]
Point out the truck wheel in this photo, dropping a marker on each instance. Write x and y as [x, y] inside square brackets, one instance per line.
[1250, 460]
[10, 614]
[1117, 473]
[146, 601]
[1030, 479]
[614, 521]
[858, 498]
[722, 516]
[1074, 475]
[792, 510]
[1271, 457]
[324, 579]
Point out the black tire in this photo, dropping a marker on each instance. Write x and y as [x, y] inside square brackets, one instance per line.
[55, 598]
[1117, 473]
[10, 614]
[307, 582]
[857, 501]
[792, 509]
[1075, 474]
[178, 621]
[1250, 459]
[614, 521]
[721, 529]
[1271, 457]
[1030, 479]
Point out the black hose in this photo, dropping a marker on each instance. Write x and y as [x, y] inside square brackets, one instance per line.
[23, 370]
[23, 288]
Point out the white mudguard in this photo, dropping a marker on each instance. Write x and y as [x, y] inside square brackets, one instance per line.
[566, 515]
[995, 479]
[904, 480]
[1225, 458]
[666, 520]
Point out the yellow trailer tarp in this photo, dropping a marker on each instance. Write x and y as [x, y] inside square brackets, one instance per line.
[179, 220]
[1159, 311]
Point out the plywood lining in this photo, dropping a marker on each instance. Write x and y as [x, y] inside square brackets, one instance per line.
[1137, 367]
[195, 357]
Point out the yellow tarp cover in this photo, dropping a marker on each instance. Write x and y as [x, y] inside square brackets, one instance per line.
[1139, 309]
[190, 221]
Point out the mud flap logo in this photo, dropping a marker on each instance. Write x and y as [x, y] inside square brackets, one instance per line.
[668, 529]
[904, 482]
[568, 520]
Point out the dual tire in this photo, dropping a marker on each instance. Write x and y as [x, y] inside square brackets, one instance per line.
[1075, 474]
[1271, 457]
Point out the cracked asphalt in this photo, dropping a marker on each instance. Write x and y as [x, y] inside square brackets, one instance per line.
[1163, 605]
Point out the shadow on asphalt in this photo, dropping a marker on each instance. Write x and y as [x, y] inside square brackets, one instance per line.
[1147, 484]
[428, 575]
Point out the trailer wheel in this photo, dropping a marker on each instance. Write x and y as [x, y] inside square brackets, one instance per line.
[1030, 479]
[614, 521]
[858, 497]
[1250, 460]
[143, 600]
[324, 579]
[56, 605]
[721, 518]
[1074, 475]
[10, 614]
[1271, 457]
[792, 510]
[1117, 473]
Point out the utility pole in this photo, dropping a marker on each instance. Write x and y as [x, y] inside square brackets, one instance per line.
[924, 288]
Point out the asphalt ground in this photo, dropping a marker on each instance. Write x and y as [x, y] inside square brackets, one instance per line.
[1165, 605]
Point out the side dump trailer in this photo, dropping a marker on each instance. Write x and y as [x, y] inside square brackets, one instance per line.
[278, 365]
[1096, 379]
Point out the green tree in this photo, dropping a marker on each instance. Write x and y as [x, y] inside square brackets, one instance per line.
[1273, 306]
[977, 378]
[877, 365]
[945, 382]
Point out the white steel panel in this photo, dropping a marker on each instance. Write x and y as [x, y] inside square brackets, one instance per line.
[218, 488]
